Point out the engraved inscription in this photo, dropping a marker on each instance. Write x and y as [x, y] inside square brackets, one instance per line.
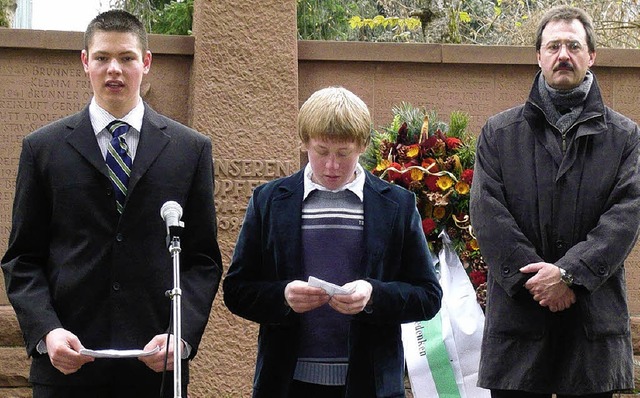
[34, 91]
[235, 181]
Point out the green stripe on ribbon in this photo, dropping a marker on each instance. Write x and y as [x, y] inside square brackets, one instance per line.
[438, 359]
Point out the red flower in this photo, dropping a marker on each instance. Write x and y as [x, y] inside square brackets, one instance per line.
[405, 179]
[467, 176]
[432, 183]
[428, 162]
[403, 133]
[477, 277]
[394, 175]
[453, 143]
[430, 142]
[428, 226]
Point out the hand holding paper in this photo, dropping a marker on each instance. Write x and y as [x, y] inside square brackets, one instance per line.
[63, 348]
[302, 297]
[356, 299]
[328, 287]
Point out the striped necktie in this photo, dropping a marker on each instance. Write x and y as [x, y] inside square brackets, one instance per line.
[119, 161]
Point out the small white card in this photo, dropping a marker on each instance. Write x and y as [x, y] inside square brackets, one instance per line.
[118, 353]
[328, 287]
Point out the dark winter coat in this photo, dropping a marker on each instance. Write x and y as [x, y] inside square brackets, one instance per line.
[580, 211]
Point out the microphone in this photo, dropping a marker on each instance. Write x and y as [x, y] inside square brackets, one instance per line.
[171, 212]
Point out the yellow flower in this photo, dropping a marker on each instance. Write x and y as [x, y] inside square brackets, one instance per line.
[413, 151]
[382, 166]
[444, 182]
[416, 174]
[473, 244]
[439, 212]
[462, 188]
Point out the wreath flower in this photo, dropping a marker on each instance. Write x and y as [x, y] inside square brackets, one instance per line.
[434, 160]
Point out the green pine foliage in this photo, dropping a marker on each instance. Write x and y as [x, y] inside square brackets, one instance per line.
[414, 117]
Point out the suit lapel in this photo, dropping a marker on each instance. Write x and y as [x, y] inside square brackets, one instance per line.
[153, 139]
[83, 139]
[287, 228]
[380, 214]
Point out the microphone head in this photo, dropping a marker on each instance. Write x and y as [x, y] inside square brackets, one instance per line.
[171, 212]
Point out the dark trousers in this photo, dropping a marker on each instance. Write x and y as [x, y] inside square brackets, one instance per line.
[46, 391]
[300, 389]
[522, 394]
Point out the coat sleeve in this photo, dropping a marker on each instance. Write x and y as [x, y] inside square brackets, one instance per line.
[593, 260]
[503, 244]
[25, 260]
[201, 263]
[252, 288]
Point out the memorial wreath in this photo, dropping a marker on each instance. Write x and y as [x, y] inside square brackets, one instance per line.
[434, 160]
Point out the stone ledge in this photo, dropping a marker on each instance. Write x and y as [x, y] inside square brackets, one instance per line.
[22, 392]
[14, 367]
[11, 335]
[73, 41]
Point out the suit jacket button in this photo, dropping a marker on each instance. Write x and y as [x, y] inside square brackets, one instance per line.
[506, 271]
[119, 237]
[116, 286]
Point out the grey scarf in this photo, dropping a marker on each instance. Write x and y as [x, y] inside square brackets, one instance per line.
[562, 108]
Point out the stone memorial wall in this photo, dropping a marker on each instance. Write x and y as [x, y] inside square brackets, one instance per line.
[244, 94]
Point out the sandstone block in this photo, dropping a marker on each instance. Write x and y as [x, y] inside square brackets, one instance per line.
[635, 334]
[11, 335]
[21, 392]
[14, 368]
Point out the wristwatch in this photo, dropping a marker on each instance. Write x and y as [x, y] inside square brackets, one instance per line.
[566, 277]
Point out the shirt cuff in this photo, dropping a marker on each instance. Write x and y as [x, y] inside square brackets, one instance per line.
[187, 350]
[41, 347]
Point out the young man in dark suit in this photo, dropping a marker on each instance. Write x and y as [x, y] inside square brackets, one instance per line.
[87, 263]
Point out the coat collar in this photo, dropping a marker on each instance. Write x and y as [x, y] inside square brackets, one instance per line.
[591, 121]
[594, 110]
[153, 138]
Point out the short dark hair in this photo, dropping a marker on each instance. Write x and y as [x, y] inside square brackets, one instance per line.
[567, 13]
[116, 21]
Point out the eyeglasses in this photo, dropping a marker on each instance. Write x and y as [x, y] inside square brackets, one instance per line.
[572, 46]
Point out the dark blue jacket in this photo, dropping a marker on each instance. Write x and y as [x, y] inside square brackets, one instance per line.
[397, 262]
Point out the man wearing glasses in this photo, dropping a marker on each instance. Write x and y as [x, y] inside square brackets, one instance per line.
[555, 209]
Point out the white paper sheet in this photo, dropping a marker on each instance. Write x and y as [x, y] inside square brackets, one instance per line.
[328, 287]
[118, 353]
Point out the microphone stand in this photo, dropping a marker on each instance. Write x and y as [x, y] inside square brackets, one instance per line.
[173, 242]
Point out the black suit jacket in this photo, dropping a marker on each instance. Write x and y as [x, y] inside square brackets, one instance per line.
[73, 262]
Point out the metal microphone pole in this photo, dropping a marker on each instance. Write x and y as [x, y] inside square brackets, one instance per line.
[171, 212]
[176, 295]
